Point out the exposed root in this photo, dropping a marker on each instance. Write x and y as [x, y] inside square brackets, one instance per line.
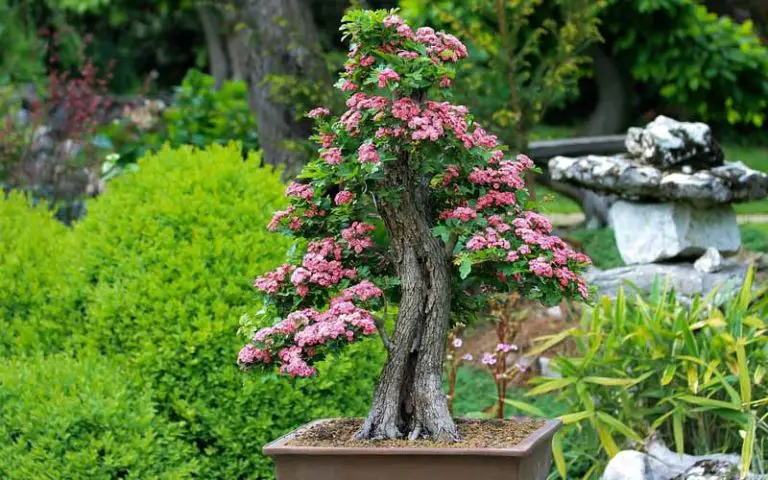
[415, 433]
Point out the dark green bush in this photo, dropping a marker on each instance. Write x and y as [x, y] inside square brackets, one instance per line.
[40, 284]
[171, 251]
[711, 68]
[86, 419]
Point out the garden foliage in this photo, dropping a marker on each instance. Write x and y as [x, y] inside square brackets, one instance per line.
[41, 285]
[693, 374]
[163, 263]
[710, 68]
[84, 419]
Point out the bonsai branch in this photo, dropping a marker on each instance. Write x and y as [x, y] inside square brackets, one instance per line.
[382, 332]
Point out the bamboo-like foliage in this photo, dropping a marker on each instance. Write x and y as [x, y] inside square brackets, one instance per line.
[694, 374]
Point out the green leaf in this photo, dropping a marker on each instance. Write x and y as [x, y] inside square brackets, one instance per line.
[745, 385]
[618, 426]
[748, 446]
[558, 455]
[577, 417]
[550, 386]
[677, 431]
[610, 382]
[525, 407]
[669, 374]
[708, 402]
[465, 268]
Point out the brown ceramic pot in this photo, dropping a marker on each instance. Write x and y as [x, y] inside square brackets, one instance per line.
[529, 460]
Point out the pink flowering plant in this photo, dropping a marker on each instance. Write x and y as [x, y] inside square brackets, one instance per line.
[409, 201]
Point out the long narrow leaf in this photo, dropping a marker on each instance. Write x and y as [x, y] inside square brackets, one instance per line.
[677, 431]
[550, 386]
[748, 446]
[558, 454]
[708, 402]
[618, 426]
[745, 385]
[525, 407]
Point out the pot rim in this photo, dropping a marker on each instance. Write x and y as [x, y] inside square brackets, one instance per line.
[522, 449]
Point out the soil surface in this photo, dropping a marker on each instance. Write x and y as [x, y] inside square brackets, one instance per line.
[474, 434]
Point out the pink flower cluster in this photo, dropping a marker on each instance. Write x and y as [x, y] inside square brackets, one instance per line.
[271, 282]
[305, 330]
[495, 198]
[332, 155]
[405, 109]
[489, 239]
[463, 214]
[343, 197]
[322, 266]
[367, 153]
[387, 75]
[299, 190]
[357, 236]
[318, 112]
[508, 174]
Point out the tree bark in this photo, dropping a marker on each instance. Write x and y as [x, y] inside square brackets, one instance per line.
[409, 400]
[283, 43]
[610, 114]
[217, 57]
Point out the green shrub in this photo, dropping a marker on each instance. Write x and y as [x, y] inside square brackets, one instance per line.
[713, 68]
[199, 115]
[754, 237]
[693, 374]
[171, 251]
[86, 419]
[40, 285]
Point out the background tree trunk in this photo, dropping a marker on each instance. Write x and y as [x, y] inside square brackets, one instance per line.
[610, 114]
[217, 57]
[409, 400]
[282, 46]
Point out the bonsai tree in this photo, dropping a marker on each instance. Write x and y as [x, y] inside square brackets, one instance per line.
[409, 201]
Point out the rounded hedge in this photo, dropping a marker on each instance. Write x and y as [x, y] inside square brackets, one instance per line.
[170, 253]
[40, 284]
[83, 419]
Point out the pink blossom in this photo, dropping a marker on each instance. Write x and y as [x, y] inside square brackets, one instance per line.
[327, 139]
[451, 172]
[367, 153]
[343, 197]
[467, 357]
[250, 354]
[463, 214]
[506, 347]
[299, 190]
[386, 75]
[270, 282]
[405, 31]
[513, 256]
[457, 343]
[364, 290]
[348, 86]
[293, 364]
[496, 198]
[540, 267]
[407, 54]
[295, 223]
[489, 359]
[367, 61]
[331, 155]
[357, 236]
[445, 82]
[278, 216]
[405, 109]
[524, 250]
[351, 120]
[393, 21]
[489, 239]
[318, 112]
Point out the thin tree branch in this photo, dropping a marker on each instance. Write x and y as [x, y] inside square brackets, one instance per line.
[379, 322]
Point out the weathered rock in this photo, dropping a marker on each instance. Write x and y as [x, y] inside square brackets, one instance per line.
[621, 175]
[648, 232]
[657, 462]
[710, 262]
[666, 143]
[683, 277]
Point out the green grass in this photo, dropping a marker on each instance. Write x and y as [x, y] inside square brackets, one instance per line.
[754, 157]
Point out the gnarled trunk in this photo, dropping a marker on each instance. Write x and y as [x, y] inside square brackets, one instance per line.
[409, 400]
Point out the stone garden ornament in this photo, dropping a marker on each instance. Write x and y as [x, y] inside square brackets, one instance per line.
[408, 219]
